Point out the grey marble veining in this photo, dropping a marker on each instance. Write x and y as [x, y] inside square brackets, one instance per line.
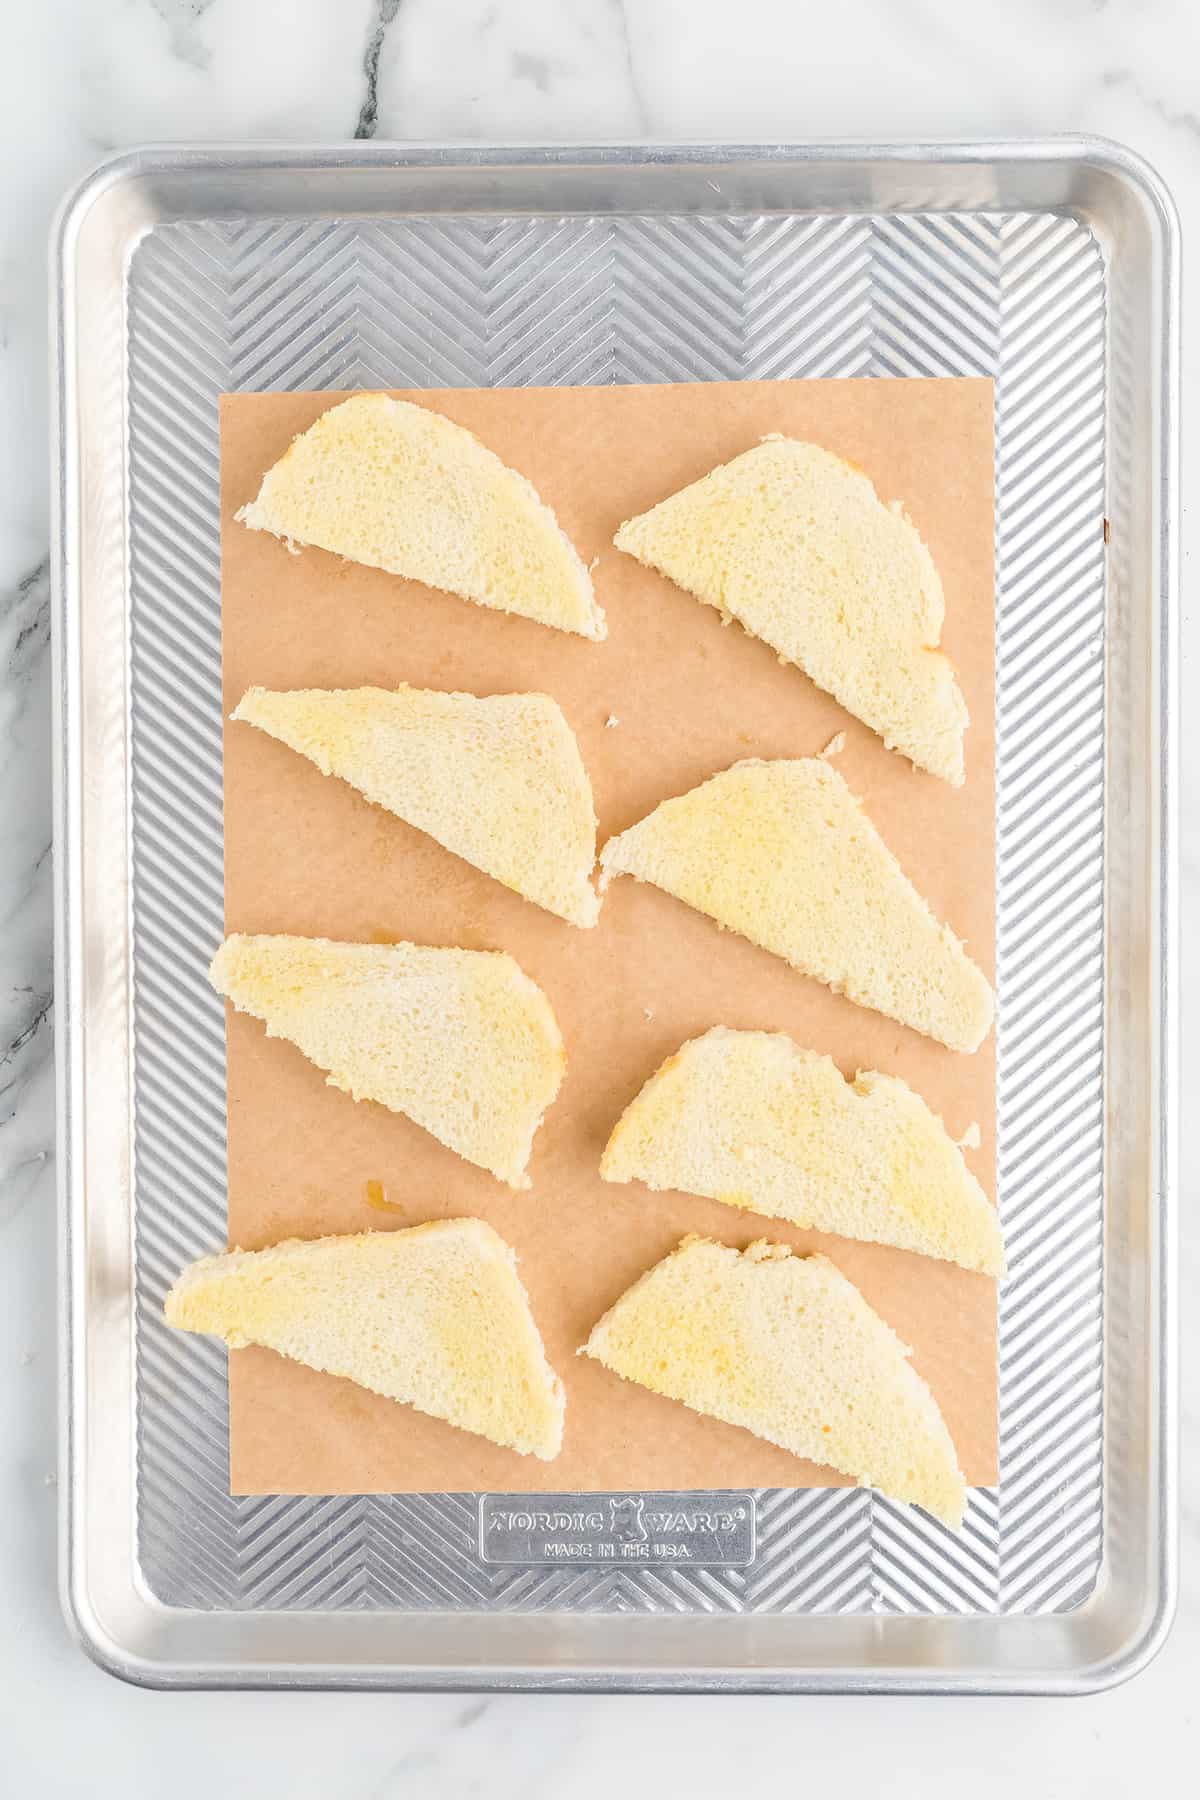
[26, 869]
[90, 75]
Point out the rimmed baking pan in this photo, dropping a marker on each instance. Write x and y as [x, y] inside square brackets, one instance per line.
[1051, 267]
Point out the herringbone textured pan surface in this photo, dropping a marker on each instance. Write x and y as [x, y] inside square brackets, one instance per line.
[454, 302]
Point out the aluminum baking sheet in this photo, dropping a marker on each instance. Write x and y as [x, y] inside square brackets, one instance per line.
[1051, 268]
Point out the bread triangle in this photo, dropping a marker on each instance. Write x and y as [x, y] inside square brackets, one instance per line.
[402, 488]
[498, 780]
[435, 1317]
[751, 1119]
[461, 1041]
[795, 545]
[783, 853]
[784, 1346]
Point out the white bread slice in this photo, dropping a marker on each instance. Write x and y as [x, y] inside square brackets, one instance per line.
[435, 1317]
[461, 1041]
[795, 545]
[751, 1119]
[783, 853]
[498, 780]
[784, 1346]
[399, 487]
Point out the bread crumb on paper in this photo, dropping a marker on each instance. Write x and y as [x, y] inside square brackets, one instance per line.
[835, 746]
[611, 722]
[971, 1138]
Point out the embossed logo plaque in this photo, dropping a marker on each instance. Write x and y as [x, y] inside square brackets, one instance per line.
[711, 1530]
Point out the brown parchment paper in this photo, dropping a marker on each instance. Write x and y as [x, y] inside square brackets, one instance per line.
[670, 698]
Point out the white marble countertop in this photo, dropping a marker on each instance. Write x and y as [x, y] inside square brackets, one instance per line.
[87, 76]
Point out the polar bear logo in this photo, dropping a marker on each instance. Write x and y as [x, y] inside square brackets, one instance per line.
[625, 1520]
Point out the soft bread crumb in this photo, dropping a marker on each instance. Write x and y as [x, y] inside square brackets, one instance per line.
[376, 1196]
[794, 543]
[783, 853]
[752, 1120]
[461, 1041]
[785, 1347]
[835, 746]
[400, 487]
[497, 780]
[435, 1317]
[972, 1137]
[611, 722]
